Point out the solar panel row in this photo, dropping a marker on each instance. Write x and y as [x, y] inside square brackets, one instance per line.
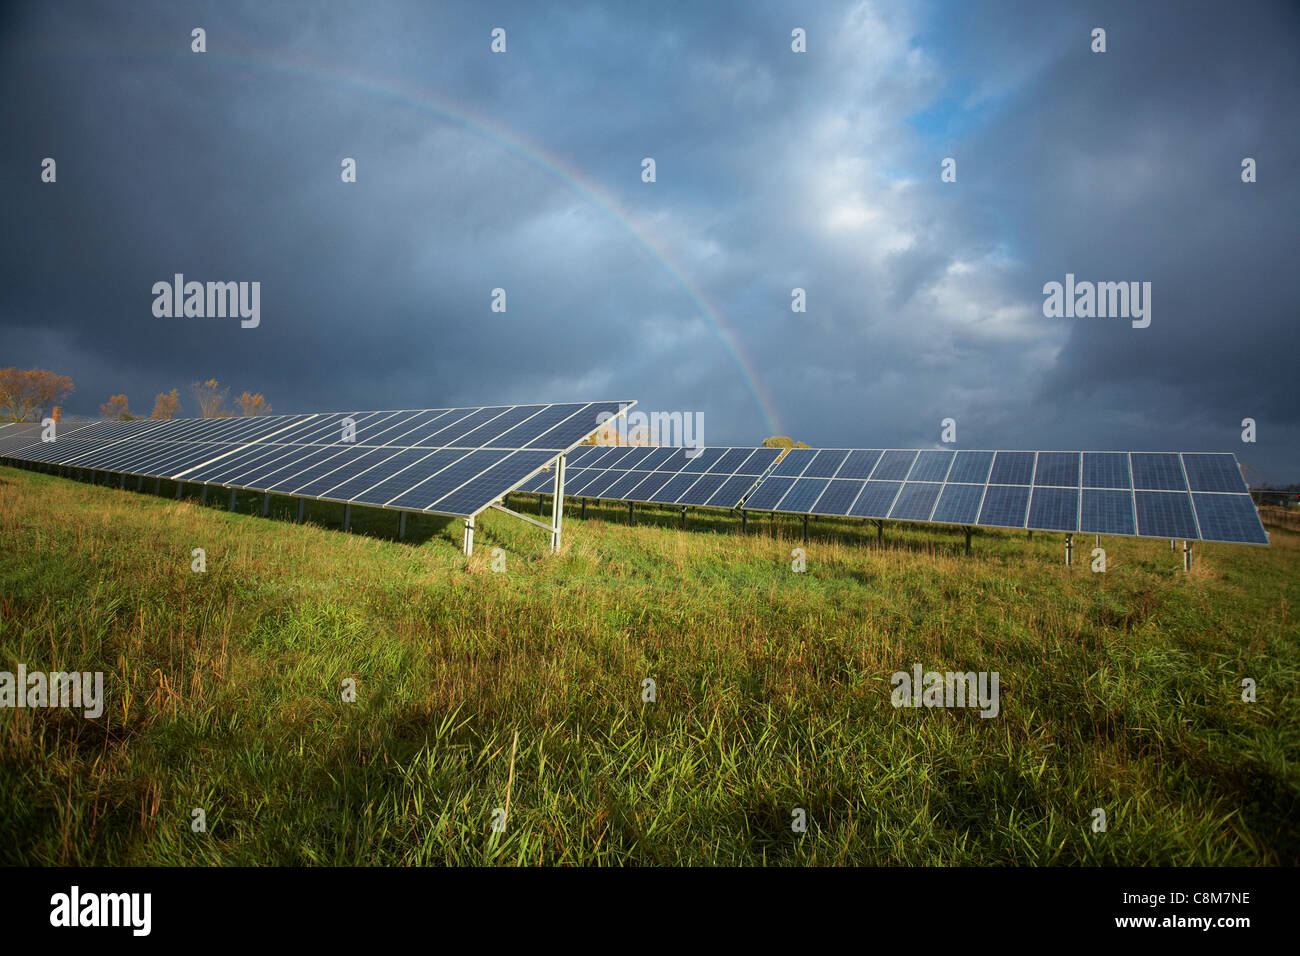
[460, 460]
[712, 477]
[454, 461]
[1152, 494]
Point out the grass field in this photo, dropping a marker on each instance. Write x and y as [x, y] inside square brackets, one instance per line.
[1119, 691]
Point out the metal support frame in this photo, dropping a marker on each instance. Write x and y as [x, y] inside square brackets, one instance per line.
[805, 529]
[204, 498]
[232, 499]
[266, 503]
[880, 533]
[541, 500]
[683, 517]
[347, 517]
[179, 486]
[1069, 550]
[139, 483]
[302, 503]
[556, 525]
[584, 508]
[631, 516]
[468, 545]
[1187, 556]
[968, 531]
[121, 481]
[157, 486]
[401, 525]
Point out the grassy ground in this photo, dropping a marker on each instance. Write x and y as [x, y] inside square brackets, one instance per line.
[1119, 691]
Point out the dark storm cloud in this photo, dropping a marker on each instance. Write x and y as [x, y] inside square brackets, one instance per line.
[776, 170]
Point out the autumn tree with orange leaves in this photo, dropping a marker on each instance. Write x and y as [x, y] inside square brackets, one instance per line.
[25, 393]
[210, 396]
[117, 409]
[166, 405]
[253, 405]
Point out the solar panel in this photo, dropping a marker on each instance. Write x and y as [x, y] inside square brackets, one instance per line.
[931, 466]
[1228, 517]
[1054, 509]
[712, 477]
[1214, 473]
[1004, 506]
[1106, 469]
[454, 461]
[1165, 514]
[971, 467]
[1158, 472]
[894, 465]
[1107, 511]
[460, 460]
[959, 504]
[875, 499]
[1067, 491]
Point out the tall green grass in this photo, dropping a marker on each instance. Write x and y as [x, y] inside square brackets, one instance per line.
[1119, 690]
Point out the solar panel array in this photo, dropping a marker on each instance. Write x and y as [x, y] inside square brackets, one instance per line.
[458, 461]
[453, 461]
[709, 477]
[1145, 494]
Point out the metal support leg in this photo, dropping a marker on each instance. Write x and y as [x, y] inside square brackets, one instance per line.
[468, 545]
[541, 500]
[401, 525]
[683, 517]
[584, 508]
[805, 529]
[880, 533]
[232, 499]
[1187, 556]
[1069, 550]
[631, 518]
[968, 532]
[742, 521]
[266, 503]
[157, 486]
[301, 503]
[347, 517]
[557, 506]
[204, 498]
[139, 483]
[1171, 544]
[179, 486]
[121, 481]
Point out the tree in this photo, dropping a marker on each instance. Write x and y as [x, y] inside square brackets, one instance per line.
[25, 393]
[210, 395]
[253, 405]
[781, 441]
[166, 405]
[116, 409]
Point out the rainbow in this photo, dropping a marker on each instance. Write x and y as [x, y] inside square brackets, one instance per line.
[529, 152]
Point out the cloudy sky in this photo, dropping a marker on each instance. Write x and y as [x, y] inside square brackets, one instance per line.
[775, 170]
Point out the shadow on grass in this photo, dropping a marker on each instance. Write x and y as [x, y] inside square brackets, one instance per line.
[860, 533]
